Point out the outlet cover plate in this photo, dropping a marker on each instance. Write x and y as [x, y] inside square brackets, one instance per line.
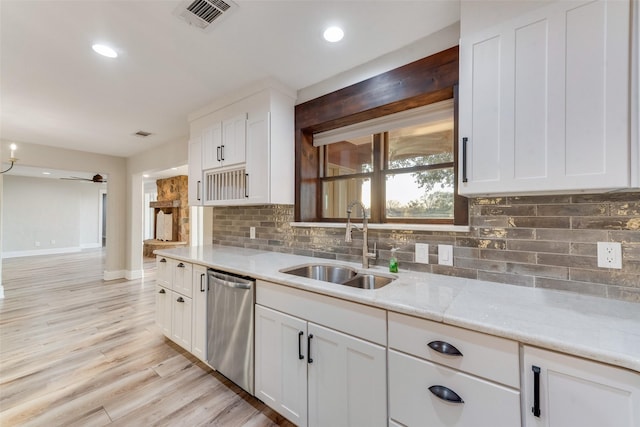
[610, 255]
[422, 253]
[445, 254]
[252, 232]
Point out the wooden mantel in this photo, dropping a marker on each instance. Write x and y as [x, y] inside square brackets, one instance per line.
[166, 204]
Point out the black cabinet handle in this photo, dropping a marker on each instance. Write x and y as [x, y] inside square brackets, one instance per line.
[464, 159]
[218, 153]
[246, 180]
[300, 355]
[162, 291]
[202, 282]
[180, 299]
[444, 348]
[181, 265]
[163, 260]
[536, 391]
[446, 394]
[198, 189]
[222, 152]
[309, 338]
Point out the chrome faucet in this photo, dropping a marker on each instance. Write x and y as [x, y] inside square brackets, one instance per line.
[366, 255]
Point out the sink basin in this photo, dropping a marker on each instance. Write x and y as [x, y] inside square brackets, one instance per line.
[340, 275]
[369, 281]
[326, 273]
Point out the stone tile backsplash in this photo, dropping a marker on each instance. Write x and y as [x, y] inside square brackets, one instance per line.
[538, 241]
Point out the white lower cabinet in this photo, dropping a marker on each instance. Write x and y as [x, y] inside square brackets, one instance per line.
[450, 376]
[420, 390]
[347, 380]
[281, 363]
[181, 322]
[199, 329]
[575, 392]
[163, 310]
[315, 375]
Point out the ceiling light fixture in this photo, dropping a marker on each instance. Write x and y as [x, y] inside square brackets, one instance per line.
[333, 34]
[12, 159]
[46, 173]
[104, 50]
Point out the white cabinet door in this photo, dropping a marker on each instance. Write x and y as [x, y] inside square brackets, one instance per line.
[258, 158]
[347, 380]
[182, 277]
[199, 328]
[211, 147]
[281, 363]
[234, 133]
[181, 320]
[195, 172]
[577, 392]
[544, 101]
[163, 271]
[163, 310]
[416, 394]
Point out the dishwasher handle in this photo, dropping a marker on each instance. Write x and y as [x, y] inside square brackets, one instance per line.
[233, 285]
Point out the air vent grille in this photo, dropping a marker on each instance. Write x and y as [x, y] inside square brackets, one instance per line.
[142, 134]
[201, 13]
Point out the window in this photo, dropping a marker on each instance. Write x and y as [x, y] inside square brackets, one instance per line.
[400, 166]
[364, 142]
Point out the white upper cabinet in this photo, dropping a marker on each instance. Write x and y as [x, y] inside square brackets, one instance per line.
[247, 150]
[545, 97]
[195, 171]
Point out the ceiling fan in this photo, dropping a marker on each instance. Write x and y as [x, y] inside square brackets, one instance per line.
[96, 178]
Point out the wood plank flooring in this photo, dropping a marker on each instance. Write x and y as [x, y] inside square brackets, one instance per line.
[78, 351]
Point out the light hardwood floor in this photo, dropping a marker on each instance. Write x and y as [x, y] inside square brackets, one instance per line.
[78, 351]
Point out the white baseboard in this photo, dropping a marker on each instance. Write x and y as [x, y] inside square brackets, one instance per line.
[113, 275]
[134, 274]
[50, 251]
[90, 245]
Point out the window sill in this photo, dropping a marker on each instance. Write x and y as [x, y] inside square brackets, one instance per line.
[412, 227]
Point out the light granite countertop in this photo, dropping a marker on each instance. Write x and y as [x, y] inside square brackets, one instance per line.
[594, 328]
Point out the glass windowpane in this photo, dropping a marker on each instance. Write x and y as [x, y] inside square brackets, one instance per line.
[427, 194]
[350, 157]
[337, 194]
[425, 144]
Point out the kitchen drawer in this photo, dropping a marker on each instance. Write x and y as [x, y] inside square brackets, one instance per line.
[483, 355]
[182, 278]
[163, 271]
[359, 320]
[411, 403]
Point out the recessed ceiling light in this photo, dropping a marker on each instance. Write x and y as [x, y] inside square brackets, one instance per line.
[105, 50]
[333, 34]
[145, 176]
[174, 169]
[46, 173]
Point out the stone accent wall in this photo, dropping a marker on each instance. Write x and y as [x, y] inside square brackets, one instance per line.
[537, 241]
[176, 188]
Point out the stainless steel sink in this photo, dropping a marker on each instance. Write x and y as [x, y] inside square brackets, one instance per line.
[340, 275]
[326, 273]
[369, 281]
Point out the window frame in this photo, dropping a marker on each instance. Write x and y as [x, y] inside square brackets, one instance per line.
[423, 82]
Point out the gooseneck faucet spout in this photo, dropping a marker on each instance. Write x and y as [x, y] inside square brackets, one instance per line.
[366, 255]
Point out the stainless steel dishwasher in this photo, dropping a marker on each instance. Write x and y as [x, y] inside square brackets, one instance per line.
[230, 327]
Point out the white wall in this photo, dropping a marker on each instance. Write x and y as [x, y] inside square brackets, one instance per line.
[61, 216]
[115, 169]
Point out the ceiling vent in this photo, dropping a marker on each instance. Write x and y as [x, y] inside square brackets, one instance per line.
[202, 13]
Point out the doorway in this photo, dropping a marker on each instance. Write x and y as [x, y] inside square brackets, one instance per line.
[103, 218]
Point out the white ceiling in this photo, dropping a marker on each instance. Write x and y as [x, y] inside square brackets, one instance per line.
[56, 91]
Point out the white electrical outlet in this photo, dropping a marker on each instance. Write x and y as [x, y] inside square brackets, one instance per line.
[422, 253]
[37, 244]
[610, 254]
[252, 232]
[53, 242]
[445, 254]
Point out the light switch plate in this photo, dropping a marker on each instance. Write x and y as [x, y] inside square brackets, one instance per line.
[609, 254]
[445, 254]
[252, 232]
[422, 253]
